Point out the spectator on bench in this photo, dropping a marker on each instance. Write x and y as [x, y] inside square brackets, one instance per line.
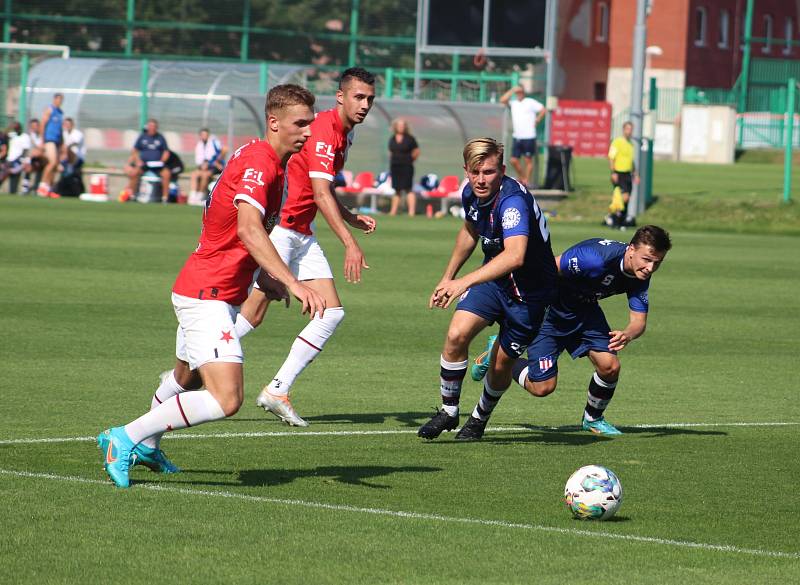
[150, 152]
[209, 156]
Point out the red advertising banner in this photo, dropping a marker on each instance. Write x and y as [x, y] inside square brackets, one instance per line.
[583, 125]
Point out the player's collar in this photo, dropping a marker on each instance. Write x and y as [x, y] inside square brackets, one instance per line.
[622, 268]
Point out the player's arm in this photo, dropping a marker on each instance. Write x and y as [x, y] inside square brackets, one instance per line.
[637, 323]
[466, 240]
[333, 210]
[506, 97]
[45, 120]
[165, 154]
[511, 258]
[255, 239]
[540, 116]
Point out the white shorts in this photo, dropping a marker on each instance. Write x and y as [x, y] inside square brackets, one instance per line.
[205, 332]
[301, 253]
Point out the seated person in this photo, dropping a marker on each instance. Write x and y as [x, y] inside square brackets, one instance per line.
[209, 156]
[150, 153]
[175, 166]
[36, 159]
[74, 150]
[18, 159]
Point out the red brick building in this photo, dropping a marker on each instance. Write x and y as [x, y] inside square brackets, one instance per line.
[690, 42]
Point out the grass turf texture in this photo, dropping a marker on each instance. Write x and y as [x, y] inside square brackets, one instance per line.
[87, 326]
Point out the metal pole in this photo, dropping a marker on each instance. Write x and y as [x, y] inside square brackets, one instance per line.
[130, 15]
[388, 91]
[637, 90]
[263, 78]
[6, 61]
[789, 125]
[231, 148]
[7, 22]
[550, 46]
[23, 90]
[143, 87]
[454, 79]
[744, 86]
[422, 7]
[353, 33]
[653, 108]
[244, 46]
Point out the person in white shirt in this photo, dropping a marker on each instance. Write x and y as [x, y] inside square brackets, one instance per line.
[74, 152]
[19, 146]
[209, 156]
[526, 113]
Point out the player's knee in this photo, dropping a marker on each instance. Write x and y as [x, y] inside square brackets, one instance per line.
[457, 339]
[609, 371]
[231, 403]
[541, 389]
[333, 316]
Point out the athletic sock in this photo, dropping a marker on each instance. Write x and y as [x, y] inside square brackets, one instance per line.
[169, 387]
[305, 348]
[600, 394]
[451, 377]
[519, 371]
[242, 326]
[182, 410]
[488, 400]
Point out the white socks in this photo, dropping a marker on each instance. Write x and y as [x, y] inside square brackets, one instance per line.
[182, 410]
[169, 387]
[242, 326]
[305, 348]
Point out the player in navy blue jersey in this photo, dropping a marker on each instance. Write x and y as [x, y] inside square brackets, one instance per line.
[513, 286]
[588, 272]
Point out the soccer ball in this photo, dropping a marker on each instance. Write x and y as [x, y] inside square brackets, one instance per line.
[593, 493]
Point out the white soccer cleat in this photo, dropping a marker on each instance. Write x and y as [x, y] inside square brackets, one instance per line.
[280, 407]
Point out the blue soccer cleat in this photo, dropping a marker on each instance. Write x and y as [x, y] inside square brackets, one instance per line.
[481, 365]
[153, 459]
[600, 427]
[117, 449]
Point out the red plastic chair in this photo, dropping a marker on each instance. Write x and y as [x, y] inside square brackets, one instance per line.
[363, 180]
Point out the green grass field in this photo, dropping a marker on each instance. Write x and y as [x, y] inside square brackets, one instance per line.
[707, 400]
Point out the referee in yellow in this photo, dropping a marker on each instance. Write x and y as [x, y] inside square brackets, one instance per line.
[620, 157]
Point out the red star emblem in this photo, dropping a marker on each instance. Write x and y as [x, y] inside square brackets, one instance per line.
[226, 337]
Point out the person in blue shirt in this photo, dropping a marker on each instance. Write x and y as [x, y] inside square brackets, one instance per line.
[588, 272]
[150, 153]
[52, 121]
[513, 286]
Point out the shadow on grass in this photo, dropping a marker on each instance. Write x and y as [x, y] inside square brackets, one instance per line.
[409, 419]
[351, 475]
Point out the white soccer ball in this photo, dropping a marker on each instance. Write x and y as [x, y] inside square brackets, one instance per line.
[593, 493]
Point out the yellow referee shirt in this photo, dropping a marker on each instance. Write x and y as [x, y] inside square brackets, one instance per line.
[621, 154]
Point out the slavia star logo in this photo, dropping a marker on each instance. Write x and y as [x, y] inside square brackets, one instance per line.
[226, 337]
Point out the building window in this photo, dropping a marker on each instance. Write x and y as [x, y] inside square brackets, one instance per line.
[767, 34]
[724, 29]
[788, 27]
[700, 27]
[601, 23]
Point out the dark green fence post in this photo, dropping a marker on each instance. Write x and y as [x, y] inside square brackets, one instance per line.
[351, 58]
[244, 47]
[130, 16]
[263, 78]
[23, 89]
[388, 91]
[653, 106]
[791, 99]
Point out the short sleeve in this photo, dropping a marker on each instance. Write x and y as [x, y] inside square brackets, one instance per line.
[164, 142]
[252, 184]
[514, 217]
[413, 144]
[580, 261]
[321, 153]
[638, 300]
[138, 144]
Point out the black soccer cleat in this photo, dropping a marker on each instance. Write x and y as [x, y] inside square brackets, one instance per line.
[440, 422]
[472, 429]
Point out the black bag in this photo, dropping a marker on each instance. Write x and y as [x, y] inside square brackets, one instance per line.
[70, 185]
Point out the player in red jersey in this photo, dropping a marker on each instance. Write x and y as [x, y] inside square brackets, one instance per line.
[310, 187]
[234, 243]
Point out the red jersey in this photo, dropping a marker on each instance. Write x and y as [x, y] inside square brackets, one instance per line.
[221, 268]
[322, 156]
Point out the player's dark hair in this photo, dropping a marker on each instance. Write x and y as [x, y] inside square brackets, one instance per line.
[356, 73]
[653, 236]
[286, 95]
[68, 119]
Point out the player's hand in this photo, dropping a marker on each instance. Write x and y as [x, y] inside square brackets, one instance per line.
[272, 288]
[618, 340]
[366, 223]
[446, 292]
[354, 261]
[614, 177]
[312, 302]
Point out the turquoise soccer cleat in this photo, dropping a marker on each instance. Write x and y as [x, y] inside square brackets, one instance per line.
[153, 459]
[481, 365]
[600, 427]
[117, 449]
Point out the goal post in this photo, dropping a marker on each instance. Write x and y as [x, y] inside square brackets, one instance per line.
[17, 60]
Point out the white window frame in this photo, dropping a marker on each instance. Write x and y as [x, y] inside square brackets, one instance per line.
[602, 15]
[767, 20]
[724, 41]
[788, 30]
[701, 35]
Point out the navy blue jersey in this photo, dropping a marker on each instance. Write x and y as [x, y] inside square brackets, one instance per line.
[151, 148]
[52, 130]
[592, 270]
[514, 212]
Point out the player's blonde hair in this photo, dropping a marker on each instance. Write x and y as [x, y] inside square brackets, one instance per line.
[478, 150]
[283, 96]
[396, 123]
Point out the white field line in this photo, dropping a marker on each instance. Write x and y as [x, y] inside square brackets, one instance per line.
[724, 548]
[298, 433]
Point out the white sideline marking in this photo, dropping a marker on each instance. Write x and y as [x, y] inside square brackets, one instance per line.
[420, 516]
[258, 434]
